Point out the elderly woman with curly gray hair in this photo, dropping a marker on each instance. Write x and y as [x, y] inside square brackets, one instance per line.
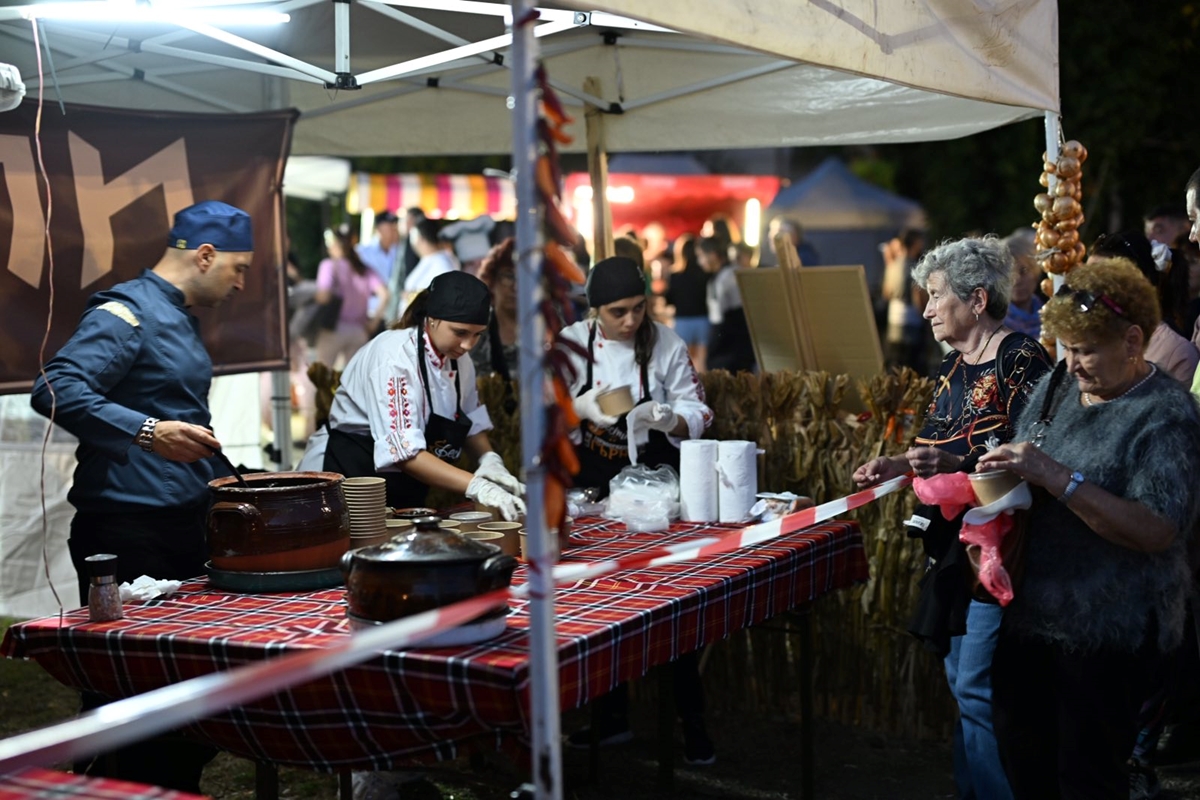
[981, 388]
[1111, 445]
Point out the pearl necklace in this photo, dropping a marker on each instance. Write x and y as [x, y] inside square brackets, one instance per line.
[1087, 398]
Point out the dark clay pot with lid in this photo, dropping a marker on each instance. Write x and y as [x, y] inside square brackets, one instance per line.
[423, 568]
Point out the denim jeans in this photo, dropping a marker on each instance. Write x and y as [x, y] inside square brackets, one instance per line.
[978, 772]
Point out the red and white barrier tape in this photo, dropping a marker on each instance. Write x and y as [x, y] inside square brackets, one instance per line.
[134, 718]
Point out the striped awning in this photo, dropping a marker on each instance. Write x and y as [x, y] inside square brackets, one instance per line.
[440, 196]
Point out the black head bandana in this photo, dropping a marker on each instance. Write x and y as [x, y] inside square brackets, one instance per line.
[459, 297]
[614, 279]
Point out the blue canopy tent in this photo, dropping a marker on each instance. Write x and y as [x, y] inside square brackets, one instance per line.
[845, 218]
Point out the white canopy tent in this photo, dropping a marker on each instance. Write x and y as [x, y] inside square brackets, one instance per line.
[434, 78]
[431, 76]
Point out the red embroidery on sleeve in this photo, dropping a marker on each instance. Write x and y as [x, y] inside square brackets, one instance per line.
[399, 410]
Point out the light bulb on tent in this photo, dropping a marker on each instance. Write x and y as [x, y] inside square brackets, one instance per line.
[753, 222]
[130, 11]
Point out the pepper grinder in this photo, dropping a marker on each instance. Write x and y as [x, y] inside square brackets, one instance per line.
[104, 596]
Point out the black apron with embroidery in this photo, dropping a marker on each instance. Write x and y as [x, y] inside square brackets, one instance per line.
[353, 455]
[604, 451]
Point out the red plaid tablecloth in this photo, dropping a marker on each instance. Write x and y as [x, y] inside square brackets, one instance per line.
[44, 784]
[430, 702]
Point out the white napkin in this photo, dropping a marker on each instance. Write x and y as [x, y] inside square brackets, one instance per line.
[147, 588]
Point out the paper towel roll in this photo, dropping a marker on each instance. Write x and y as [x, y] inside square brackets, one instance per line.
[698, 480]
[737, 468]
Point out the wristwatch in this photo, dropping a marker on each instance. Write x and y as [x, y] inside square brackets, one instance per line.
[145, 435]
[1076, 479]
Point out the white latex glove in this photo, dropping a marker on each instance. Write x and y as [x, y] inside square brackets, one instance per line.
[587, 407]
[646, 417]
[491, 466]
[481, 490]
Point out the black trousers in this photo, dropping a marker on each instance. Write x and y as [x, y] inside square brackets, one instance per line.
[166, 544]
[688, 690]
[1065, 721]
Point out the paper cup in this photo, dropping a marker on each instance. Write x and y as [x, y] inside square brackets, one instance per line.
[495, 537]
[493, 512]
[616, 402]
[507, 543]
[991, 486]
[555, 545]
[511, 546]
[470, 520]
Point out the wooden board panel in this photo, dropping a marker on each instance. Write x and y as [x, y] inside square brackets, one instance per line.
[771, 319]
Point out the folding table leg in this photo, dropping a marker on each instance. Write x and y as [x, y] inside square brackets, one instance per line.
[666, 727]
[266, 781]
[803, 617]
[594, 742]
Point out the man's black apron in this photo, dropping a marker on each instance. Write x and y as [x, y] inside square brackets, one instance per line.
[353, 455]
[603, 452]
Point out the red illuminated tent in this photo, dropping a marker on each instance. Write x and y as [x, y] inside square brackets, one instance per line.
[680, 203]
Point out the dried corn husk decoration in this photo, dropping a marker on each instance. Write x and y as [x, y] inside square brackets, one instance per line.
[869, 670]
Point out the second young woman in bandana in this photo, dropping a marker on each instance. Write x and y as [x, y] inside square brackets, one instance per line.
[627, 348]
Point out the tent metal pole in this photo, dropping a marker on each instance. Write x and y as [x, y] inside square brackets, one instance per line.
[122, 72]
[456, 53]
[422, 26]
[597, 153]
[242, 43]
[546, 766]
[341, 41]
[712, 83]
[281, 416]
[1053, 131]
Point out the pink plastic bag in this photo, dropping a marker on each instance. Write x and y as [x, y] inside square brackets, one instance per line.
[952, 492]
[987, 561]
[949, 491]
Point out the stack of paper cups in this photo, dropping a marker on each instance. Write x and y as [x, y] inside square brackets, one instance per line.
[698, 480]
[737, 468]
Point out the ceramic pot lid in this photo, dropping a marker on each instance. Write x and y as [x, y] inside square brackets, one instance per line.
[426, 542]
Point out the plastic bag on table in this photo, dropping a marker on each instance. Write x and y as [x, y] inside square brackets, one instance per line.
[773, 505]
[644, 499]
[583, 503]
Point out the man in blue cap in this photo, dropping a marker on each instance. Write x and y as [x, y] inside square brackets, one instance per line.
[132, 384]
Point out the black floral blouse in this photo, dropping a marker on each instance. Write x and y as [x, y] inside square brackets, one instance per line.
[969, 408]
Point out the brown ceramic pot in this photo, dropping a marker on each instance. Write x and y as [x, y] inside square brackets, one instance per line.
[279, 522]
[421, 569]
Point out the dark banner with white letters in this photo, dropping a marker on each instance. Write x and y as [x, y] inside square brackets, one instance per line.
[113, 182]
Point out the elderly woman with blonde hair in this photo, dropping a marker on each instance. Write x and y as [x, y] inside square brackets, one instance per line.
[1111, 445]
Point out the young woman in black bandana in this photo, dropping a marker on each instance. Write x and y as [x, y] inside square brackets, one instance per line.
[407, 405]
[627, 348]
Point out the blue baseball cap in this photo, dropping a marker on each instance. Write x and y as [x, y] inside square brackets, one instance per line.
[212, 222]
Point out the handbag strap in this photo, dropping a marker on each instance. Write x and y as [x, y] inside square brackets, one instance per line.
[1050, 403]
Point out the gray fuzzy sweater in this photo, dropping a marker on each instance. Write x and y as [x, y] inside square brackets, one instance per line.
[1079, 590]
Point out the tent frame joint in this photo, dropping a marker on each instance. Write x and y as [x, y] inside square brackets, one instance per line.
[343, 80]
